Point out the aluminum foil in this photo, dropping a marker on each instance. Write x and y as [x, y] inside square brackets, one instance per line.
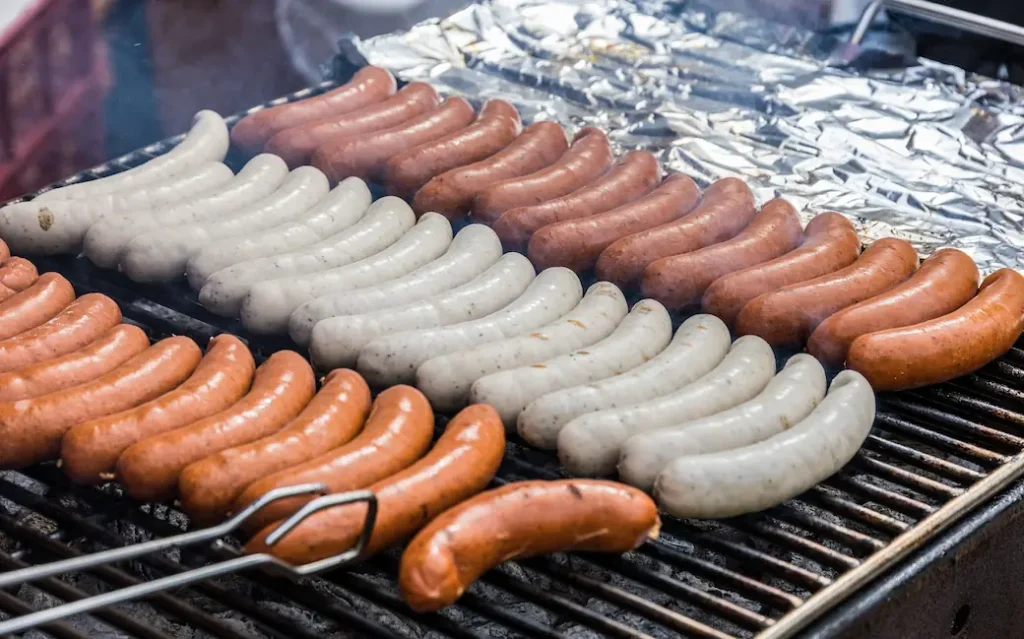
[926, 152]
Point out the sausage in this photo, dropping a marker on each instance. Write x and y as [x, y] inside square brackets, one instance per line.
[17, 274]
[110, 350]
[946, 347]
[634, 175]
[463, 461]
[82, 322]
[787, 317]
[364, 155]
[295, 145]
[789, 397]
[397, 433]
[5, 252]
[644, 333]
[726, 209]
[699, 345]
[281, 387]
[473, 250]
[209, 487]
[586, 160]
[451, 193]
[830, 244]
[32, 428]
[495, 128]
[945, 281]
[518, 520]
[368, 85]
[759, 476]
[90, 449]
[578, 243]
[36, 305]
[590, 443]
[680, 281]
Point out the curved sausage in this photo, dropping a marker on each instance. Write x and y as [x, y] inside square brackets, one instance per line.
[451, 193]
[946, 347]
[945, 281]
[830, 243]
[17, 274]
[726, 209]
[789, 316]
[521, 519]
[35, 305]
[364, 155]
[5, 252]
[681, 280]
[577, 243]
[496, 127]
[369, 85]
[82, 322]
[634, 175]
[281, 387]
[110, 350]
[463, 461]
[32, 429]
[589, 156]
[209, 486]
[90, 450]
[397, 433]
[296, 144]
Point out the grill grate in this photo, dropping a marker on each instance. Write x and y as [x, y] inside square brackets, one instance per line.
[932, 456]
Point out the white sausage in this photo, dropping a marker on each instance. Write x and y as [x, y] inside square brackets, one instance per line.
[644, 333]
[161, 254]
[337, 341]
[474, 248]
[446, 380]
[589, 445]
[340, 209]
[391, 360]
[762, 475]
[698, 346]
[383, 224]
[59, 226]
[269, 304]
[787, 399]
[105, 241]
[207, 141]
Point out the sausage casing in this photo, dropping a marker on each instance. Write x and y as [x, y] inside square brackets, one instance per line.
[17, 274]
[37, 304]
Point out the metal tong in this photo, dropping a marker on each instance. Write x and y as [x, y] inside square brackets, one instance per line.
[212, 534]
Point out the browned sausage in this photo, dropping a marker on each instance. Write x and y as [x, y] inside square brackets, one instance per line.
[589, 156]
[110, 350]
[945, 282]
[31, 429]
[90, 450]
[726, 209]
[368, 86]
[578, 243]
[282, 387]
[81, 323]
[35, 305]
[521, 519]
[495, 128]
[208, 487]
[18, 274]
[634, 175]
[397, 433]
[297, 144]
[5, 252]
[464, 459]
[787, 317]
[830, 244]
[947, 347]
[680, 281]
[364, 155]
[451, 193]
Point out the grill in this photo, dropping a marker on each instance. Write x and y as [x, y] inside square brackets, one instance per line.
[933, 455]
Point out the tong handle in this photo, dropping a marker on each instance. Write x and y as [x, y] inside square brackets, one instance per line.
[948, 16]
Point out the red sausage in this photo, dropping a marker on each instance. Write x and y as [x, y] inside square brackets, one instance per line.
[35, 305]
[17, 274]
[5, 252]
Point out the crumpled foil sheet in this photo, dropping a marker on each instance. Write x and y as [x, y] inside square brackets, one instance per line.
[928, 153]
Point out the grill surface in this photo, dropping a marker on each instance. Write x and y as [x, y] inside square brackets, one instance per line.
[933, 455]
